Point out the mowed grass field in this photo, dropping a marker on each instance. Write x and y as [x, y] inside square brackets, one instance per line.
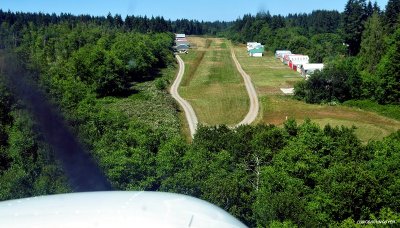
[212, 84]
[269, 75]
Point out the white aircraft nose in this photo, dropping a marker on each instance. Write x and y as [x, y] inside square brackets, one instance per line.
[114, 209]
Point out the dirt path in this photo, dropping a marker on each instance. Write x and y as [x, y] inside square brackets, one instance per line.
[187, 108]
[254, 105]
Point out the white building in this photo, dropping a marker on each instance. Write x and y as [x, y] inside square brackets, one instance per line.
[285, 58]
[280, 53]
[308, 69]
[252, 45]
[258, 51]
[177, 36]
[295, 60]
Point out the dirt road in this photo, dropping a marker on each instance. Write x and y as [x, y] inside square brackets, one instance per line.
[187, 108]
[254, 104]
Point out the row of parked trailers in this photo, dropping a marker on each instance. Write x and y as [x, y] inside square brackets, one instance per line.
[299, 63]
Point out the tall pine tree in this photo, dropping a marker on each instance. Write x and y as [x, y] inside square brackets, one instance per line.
[376, 8]
[372, 44]
[392, 14]
[370, 9]
[389, 72]
[355, 14]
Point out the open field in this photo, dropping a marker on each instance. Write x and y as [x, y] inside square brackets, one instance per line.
[212, 84]
[151, 106]
[269, 75]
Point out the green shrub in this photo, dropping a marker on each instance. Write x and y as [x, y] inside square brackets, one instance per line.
[391, 111]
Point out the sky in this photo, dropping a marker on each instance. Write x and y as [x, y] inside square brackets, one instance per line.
[207, 10]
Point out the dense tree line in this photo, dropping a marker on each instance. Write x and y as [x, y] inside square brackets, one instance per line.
[142, 24]
[300, 174]
[106, 60]
[373, 71]
[317, 34]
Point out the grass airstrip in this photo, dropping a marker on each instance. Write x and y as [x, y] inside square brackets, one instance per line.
[269, 75]
[212, 84]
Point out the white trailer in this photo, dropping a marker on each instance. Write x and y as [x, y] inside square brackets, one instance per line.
[308, 69]
[252, 45]
[280, 53]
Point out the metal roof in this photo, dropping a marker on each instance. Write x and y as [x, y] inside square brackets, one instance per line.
[310, 66]
[180, 35]
[259, 49]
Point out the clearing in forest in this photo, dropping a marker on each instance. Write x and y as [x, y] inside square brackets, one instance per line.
[269, 75]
